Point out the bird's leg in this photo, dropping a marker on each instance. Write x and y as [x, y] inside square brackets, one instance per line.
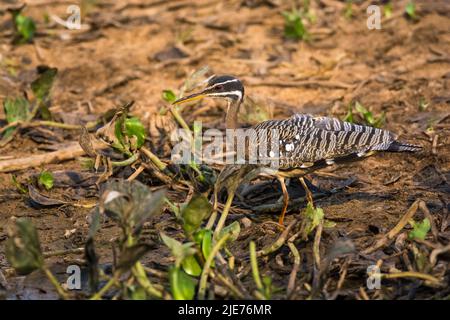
[308, 192]
[285, 200]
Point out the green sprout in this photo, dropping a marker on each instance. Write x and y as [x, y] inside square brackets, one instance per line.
[294, 27]
[387, 9]
[46, 179]
[420, 229]
[24, 26]
[423, 104]
[410, 10]
[366, 115]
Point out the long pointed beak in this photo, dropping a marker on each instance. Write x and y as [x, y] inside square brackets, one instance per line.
[192, 97]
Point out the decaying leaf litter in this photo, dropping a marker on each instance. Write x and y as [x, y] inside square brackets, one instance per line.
[136, 223]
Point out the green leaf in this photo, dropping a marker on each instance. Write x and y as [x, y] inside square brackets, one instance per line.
[191, 266]
[203, 238]
[16, 109]
[181, 284]
[23, 249]
[349, 116]
[232, 229]
[25, 27]
[179, 250]
[420, 229]
[207, 244]
[293, 25]
[169, 96]
[313, 217]
[134, 127]
[410, 10]
[130, 203]
[43, 84]
[46, 179]
[193, 214]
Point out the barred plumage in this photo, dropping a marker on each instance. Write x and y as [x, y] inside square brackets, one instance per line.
[305, 140]
[303, 143]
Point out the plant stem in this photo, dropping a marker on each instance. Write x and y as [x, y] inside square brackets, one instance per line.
[224, 214]
[254, 264]
[141, 277]
[106, 287]
[61, 292]
[411, 274]
[207, 266]
[153, 158]
[126, 162]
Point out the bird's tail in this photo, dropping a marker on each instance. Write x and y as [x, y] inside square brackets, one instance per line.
[397, 146]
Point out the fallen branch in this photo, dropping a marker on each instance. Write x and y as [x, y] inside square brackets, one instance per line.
[70, 152]
[391, 234]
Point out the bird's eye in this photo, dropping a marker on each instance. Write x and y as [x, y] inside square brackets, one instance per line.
[220, 87]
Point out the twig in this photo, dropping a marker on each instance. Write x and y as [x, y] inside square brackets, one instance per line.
[295, 268]
[410, 274]
[153, 158]
[436, 252]
[72, 151]
[63, 252]
[279, 242]
[391, 234]
[316, 244]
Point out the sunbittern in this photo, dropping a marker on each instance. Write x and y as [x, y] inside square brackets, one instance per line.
[306, 142]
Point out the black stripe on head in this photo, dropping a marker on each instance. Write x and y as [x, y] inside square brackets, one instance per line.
[226, 87]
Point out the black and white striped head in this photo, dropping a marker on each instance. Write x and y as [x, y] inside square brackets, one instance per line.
[225, 87]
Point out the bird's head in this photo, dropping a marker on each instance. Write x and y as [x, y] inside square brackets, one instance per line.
[225, 87]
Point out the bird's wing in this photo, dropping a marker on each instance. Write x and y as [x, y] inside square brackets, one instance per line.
[305, 139]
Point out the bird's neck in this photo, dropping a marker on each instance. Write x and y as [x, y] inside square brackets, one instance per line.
[232, 112]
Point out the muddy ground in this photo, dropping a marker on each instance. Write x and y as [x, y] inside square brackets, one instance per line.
[125, 51]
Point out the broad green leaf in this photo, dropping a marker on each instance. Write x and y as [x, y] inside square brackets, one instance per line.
[191, 266]
[134, 127]
[25, 27]
[46, 179]
[195, 212]
[179, 250]
[130, 203]
[203, 238]
[420, 229]
[16, 109]
[232, 229]
[181, 284]
[207, 244]
[169, 96]
[23, 249]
